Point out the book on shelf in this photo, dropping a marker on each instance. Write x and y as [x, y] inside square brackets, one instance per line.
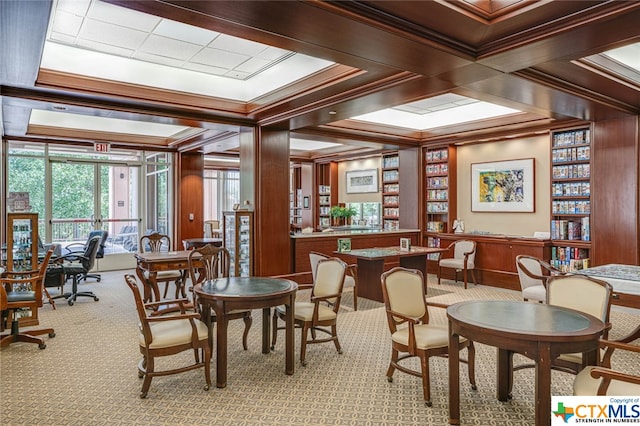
[435, 226]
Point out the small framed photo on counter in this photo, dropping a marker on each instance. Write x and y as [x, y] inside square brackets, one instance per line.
[405, 244]
[344, 244]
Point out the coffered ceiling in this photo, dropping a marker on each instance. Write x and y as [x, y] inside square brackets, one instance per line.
[332, 72]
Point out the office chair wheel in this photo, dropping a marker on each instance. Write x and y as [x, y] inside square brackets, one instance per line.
[42, 346]
[52, 334]
[70, 302]
[96, 298]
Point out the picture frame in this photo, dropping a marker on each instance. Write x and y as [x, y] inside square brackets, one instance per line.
[405, 244]
[362, 181]
[503, 186]
[344, 245]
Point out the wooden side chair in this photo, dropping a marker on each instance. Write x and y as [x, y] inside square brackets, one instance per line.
[606, 380]
[411, 333]
[23, 290]
[464, 254]
[533, 274]
[156, 242]
[320, 314]
[584, 294]
[210, 262]
[350, 279]
[168, 335]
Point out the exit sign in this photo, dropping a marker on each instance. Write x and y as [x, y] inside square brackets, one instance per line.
[101, 147]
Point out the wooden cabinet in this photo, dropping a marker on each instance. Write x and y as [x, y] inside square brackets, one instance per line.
[238, 238]
[22, 241]
[326, 185]
[391, 191]
[295, 198]
[571, 198]
[495, 262]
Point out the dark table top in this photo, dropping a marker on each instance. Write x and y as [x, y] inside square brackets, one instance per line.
[525, 319]
[245, 286]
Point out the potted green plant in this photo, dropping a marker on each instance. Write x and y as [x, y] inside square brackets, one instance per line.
[342, 215]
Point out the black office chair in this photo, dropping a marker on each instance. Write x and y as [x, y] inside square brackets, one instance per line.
[79, 248]
[77, 266]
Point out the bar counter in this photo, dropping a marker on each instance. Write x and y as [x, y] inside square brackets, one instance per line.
[327, 242]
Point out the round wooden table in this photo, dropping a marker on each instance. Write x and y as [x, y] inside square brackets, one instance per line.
[226, 294]
[540, 332]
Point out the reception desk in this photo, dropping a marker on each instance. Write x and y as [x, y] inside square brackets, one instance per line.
[495, 256]
[327, 243]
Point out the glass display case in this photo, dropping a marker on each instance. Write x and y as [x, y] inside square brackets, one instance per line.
[238, 239]
[22, 242]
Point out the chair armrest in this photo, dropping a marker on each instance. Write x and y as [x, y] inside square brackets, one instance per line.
[403, 317]
[153, 305]
[324, 298]
[607, 375]
[183, 316]
[297, 277]
[72, 257]
[438, 305]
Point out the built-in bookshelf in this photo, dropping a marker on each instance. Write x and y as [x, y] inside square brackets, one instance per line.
[571, 198]
[327, 192]
[295, 198]
[440, 187]
[390, 191]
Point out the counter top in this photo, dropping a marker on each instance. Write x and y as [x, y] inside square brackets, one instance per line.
[347, 233]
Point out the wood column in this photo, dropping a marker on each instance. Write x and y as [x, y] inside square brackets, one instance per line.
[190, 198]
[615, 204]
[264, 181]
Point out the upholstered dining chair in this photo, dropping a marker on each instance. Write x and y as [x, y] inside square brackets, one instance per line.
[167, 335]
[412, 335]
[584, 294]
[320, 314]
[156, 242]
[533, 274]
[350, 279]
[605, 380]
[210, 262]
[464, 254]
[23, 290]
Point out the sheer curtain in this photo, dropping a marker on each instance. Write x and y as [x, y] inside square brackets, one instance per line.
[221, 192]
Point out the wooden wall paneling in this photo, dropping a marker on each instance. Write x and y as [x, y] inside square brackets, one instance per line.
[328, 244]
[410, 198]
[270, 168]
[190, 198]
[615, 230]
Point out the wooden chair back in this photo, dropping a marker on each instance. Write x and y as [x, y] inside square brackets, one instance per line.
[155, 242]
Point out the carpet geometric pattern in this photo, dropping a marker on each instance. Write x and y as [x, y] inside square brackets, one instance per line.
[87, 375]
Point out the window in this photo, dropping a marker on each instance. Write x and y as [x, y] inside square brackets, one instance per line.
[370, 212]
[221, 192]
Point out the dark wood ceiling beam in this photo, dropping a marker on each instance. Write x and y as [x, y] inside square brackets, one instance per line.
[597, 29]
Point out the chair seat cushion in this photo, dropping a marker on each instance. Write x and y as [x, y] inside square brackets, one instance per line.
[537, 292]
[173, 333]
[428, 336]
[165, 275]
[73, 268]
[304, 311]
[349, 281]
[585, 385]
[21, 296]
[455, 263]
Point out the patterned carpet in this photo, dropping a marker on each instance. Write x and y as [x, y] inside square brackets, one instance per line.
[87, 374]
